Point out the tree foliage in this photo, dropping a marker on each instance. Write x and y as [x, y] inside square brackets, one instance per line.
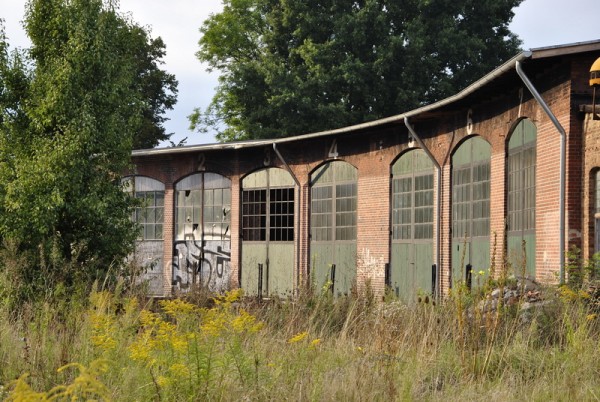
[158, 88]
[71, 107]
[292, 67]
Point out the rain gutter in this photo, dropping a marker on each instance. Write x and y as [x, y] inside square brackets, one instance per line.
[438, 241]
[296, 211]
[563, 135]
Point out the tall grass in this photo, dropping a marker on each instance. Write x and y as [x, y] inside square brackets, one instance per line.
[317, 347]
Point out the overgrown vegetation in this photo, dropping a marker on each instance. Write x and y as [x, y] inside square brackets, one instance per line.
[121, 346]
[71, 107]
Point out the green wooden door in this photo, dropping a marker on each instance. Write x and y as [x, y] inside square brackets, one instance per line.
[412, 225]
[471, 211]
[520, 171]
[268, 232]
[333, 225]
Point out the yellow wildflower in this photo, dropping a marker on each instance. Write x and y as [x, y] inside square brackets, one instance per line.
[298, 337]
[245, 322]
[103, 326]
[140, 349]
[163, 381]
[215, 323]
[315, 342]
[179, 342]
[177, 307]
[21, 391]
[149, 319]
[131, 305]
[229, 297]
[179, 370]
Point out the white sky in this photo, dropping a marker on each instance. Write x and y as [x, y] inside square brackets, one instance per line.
[538, 23]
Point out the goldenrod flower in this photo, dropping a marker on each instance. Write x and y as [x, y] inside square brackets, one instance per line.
[245, 322]
[103, 326]
[298, 337]
[177, 307]
[163, 381]
[179, 370]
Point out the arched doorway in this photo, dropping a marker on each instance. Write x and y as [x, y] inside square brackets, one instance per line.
[471, 211]
[202, 248]
[520, 208]
[412, 225]
[333, 225]
[268, 233]
[149, 215]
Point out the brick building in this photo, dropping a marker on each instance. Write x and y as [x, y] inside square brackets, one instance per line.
[507, 167]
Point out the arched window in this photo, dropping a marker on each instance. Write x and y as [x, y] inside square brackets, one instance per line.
[150, 214]
[203, 202]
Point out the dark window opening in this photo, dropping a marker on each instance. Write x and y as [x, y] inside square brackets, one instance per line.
[268, 212]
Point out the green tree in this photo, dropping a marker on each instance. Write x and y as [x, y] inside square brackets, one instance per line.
[70, 109]
[158, 88]
[292, 67]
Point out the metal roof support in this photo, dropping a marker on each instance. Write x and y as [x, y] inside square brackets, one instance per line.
[296, 211]
[439, 203]
[563, 136]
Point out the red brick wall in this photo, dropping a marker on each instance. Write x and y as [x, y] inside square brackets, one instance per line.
[373, 151]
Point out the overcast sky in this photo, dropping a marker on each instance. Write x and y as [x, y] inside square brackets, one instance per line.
[538, 23]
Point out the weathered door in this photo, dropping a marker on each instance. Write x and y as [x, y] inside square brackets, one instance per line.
[412, 225]
[202, 233]
[268, 233]
[333, 225]
[149, 215]
[471, 212]
[520, 170]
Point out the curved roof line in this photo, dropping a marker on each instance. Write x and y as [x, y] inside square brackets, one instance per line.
[506, 67]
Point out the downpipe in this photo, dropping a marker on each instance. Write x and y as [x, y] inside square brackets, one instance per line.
[438, 240]
[563, 136]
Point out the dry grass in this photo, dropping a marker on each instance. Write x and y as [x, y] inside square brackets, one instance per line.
[315, 348]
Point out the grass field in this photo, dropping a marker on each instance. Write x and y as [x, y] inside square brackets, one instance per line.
[122, 347]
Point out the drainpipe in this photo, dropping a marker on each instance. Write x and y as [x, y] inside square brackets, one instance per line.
[296, 211]
[439, 202]
[563, 136]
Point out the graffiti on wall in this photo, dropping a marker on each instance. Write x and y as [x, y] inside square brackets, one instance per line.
[201, 263]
